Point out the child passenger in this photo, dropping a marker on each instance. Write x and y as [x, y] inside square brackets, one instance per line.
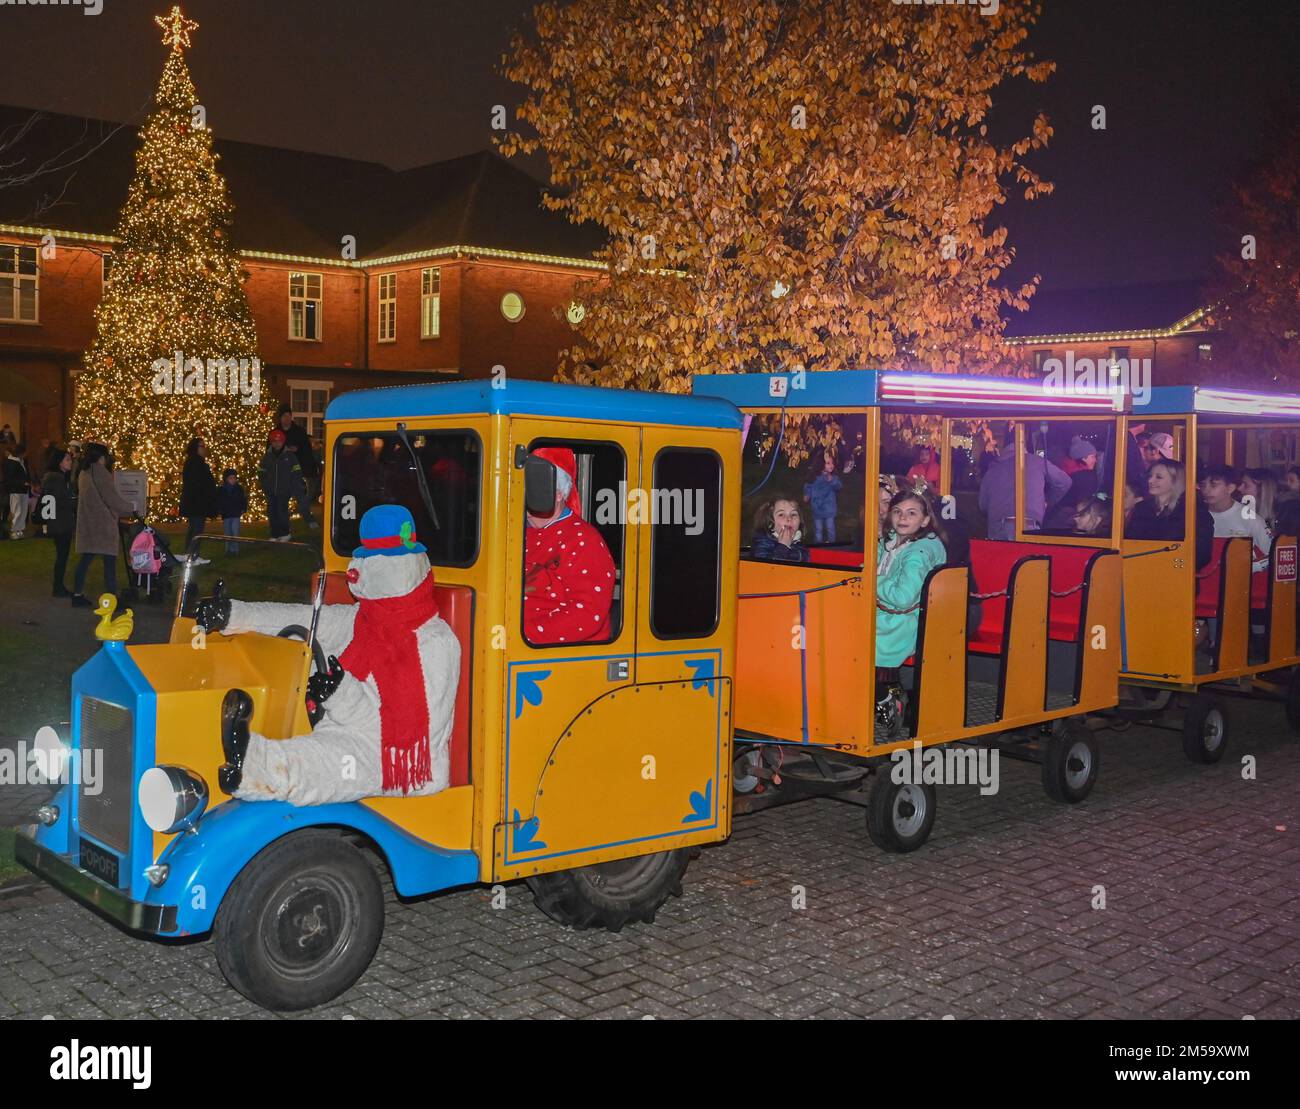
[912, 547]
[777, 537]
[820, 494]
[1231, 517]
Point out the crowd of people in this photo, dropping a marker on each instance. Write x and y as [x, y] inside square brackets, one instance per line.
[1066, 496]
[72, 499]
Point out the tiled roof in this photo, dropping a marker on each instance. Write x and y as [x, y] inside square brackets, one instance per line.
[1152, 306]
[291, 202]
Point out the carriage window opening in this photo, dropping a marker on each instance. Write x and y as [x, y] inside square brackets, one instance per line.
[1077, 478]
[803, 493]
[685, 543]
[573, 568]
[373, 468]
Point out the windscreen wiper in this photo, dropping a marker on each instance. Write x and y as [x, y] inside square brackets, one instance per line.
[419, 476]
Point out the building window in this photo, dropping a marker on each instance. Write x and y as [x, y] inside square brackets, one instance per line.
[512, 307]
[1041, 356]
[308, 400]
[430, 303]
[304, 306]
[685, 544]
[19, 276]
[1203, 352]
[387, 307]
[105, 270]
[575, 313]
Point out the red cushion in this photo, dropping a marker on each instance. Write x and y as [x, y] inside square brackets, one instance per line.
[821, 556]
[456, 606]
[991, 564]
[1207, 583]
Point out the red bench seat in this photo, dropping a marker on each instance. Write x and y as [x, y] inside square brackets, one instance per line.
[991, 564]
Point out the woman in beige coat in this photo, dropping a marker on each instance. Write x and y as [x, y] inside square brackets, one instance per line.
[99, 505]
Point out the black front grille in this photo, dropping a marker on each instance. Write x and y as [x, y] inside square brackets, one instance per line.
[107, 729]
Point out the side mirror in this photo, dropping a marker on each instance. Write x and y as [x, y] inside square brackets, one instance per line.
[539, 486]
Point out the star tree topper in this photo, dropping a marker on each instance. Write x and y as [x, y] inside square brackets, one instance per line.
[176, 28]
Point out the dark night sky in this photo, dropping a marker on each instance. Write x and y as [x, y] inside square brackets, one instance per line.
[405, 82]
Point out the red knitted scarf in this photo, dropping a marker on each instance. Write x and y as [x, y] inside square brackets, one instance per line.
[384, 644]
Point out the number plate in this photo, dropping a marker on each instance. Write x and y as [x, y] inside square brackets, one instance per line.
[102, 864]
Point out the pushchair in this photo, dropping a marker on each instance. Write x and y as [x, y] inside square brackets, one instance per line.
[149, 560]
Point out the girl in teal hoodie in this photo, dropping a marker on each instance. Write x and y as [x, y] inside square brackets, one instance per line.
[911, 547]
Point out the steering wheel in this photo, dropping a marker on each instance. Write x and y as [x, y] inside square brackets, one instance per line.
[297, 631]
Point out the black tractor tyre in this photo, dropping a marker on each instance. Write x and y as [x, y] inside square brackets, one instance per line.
[301, 923]
[610, 895]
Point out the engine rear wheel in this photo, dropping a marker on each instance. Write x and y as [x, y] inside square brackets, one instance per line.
[610, 895]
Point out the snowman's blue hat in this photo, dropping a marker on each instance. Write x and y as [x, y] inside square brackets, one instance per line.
[388, 529]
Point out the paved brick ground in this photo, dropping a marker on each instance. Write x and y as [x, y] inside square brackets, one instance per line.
[993, 918]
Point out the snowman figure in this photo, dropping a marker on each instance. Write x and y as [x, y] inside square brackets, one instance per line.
[388, 698]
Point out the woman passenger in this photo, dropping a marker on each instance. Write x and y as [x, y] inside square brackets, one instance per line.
[1262, 486]
[1161, 513]
[905, 556]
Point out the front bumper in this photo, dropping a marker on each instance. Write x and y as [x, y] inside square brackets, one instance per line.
[71, 879]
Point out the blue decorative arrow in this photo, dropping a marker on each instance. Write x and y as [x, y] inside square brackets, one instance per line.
[521, 836]
[703, 676]
[528, 688]
[701, 804]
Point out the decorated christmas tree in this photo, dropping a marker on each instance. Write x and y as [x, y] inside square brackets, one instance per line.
[175, 348]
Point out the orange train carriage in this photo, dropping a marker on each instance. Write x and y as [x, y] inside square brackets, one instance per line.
[1019, 671]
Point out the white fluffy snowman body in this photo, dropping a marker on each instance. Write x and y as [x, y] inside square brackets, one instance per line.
[341, 759]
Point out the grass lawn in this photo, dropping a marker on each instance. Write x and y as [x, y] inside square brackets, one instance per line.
[45, 639]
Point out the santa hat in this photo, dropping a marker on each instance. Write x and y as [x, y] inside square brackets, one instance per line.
[562, 459]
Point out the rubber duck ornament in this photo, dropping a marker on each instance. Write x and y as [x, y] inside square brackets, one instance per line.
[114, 629]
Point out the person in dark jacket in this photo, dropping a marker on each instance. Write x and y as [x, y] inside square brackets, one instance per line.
[99, 505]
[198, 491]
[777, 537]
[58, 511]
[298, 442]
[281, 478]
[18, 484]
[232, 503]
[1161, 513]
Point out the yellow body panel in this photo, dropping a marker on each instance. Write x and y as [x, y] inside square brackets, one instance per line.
[1024, 690]
[942, 654]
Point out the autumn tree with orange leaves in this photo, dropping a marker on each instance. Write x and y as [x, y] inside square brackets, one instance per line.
[784, 183]
[1254, 291]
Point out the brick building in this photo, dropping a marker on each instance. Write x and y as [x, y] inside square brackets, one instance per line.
[1163, 322]
[457, 268]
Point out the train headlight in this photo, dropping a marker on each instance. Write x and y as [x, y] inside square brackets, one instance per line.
[171, 798]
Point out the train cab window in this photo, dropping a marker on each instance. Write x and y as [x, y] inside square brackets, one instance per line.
[373, 468]
[804, 496]
[685, 543]
[573, 561]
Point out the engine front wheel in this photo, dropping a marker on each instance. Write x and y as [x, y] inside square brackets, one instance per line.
[301, 922]
[610, 895]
